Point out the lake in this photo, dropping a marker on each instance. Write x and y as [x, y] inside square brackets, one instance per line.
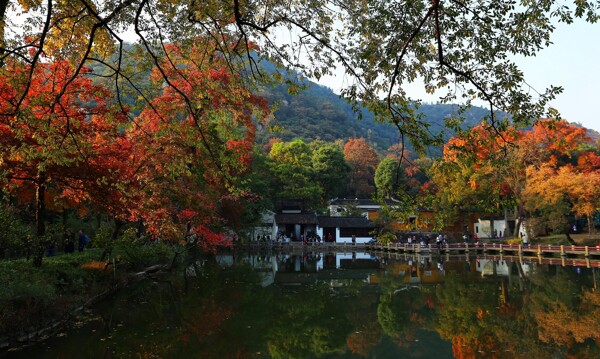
[343, 305]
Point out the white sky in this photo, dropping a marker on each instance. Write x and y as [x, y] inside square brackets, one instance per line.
[572, 61]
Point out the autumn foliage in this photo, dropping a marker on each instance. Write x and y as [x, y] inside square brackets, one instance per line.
[190, 145]
[62, 143]
[363, 161]
[531, 170]
[68, 143]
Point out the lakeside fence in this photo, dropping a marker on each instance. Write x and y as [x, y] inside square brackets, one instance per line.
[588, 256]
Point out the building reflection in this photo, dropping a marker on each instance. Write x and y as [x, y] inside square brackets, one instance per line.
[290, 269]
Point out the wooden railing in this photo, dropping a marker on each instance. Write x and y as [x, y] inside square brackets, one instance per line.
[501, 248]
[539, 249]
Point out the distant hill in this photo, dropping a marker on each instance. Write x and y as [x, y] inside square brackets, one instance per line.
[317, 112]
[595, 135]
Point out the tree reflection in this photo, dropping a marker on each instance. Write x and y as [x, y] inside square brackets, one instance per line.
[566, 311]
[554, 313]
[365, 339]
[466, 315]
[308, 323]
[404, 309]
[367, 333]
[218, 312]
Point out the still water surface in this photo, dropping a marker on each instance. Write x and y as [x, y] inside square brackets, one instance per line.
[344, 305]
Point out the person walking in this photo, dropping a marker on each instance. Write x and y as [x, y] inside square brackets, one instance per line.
[82, 241]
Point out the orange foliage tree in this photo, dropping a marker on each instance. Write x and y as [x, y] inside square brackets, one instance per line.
[486, 170]
[558, 174]
[363, 161]
[192, 145]
[576, 192]
[469, 177]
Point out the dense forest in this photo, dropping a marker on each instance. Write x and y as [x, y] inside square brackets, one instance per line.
[316, 112]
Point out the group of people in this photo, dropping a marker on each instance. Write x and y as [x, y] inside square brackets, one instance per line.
[310, 238]
[69, 242]
[424, 240]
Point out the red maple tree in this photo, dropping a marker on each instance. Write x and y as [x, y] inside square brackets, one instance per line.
[60, 137]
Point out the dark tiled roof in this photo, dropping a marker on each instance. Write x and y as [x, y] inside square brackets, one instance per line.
[345, 222]
[289, 204]
[360, 202]
[296, 218]
[353, 201]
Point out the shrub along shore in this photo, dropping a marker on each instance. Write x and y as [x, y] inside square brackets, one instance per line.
[39, 302]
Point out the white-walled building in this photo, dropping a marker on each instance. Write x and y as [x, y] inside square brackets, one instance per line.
[483, 228]
[297, 226]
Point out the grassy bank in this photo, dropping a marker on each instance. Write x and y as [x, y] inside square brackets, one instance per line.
[583, 239]
[34, 298]
[580, 239]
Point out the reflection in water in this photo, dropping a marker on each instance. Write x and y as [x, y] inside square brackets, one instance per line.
[345, 305]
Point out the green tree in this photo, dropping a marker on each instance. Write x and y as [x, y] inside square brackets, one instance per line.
[331, 170]
[293, 175]
[388, 177]
[256, 188]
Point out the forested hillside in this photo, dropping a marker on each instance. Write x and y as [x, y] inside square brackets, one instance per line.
[318, 112]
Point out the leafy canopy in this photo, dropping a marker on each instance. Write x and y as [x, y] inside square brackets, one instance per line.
[462, 50]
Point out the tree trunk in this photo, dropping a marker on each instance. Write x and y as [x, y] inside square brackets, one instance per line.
[65, 218]
[3, 6]
[114, 235]
[569, 238]
[517, 227]
[464, 222]
[519, 220]
[40, 206]
[140, 228]
[40, 215]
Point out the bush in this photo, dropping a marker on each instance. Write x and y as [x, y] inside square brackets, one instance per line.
[102, 238]
[386, 238]
[32, 297]
[13, 233]
[136, 256]
[514, 241]
[25, 296]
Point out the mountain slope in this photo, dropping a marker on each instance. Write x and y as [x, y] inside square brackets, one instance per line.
[318, 112]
